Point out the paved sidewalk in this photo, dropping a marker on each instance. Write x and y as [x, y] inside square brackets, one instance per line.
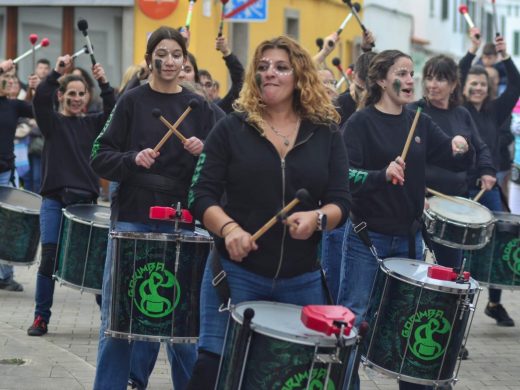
[65, 358]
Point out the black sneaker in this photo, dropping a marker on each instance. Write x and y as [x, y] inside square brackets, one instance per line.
[499, 314]
[10, 285]
[463, 353]
[38, 328]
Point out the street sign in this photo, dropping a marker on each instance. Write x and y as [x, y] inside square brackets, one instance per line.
[246, 11]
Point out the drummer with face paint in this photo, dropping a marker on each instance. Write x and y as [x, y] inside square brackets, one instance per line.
[67, 177]
[283, 137]
[375, 136]
[124, 153]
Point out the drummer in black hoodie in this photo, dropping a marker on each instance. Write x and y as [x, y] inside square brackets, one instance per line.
[375, 136]
[66, 174]
[490, 115]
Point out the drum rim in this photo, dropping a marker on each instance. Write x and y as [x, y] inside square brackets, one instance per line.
[19, 208]
[412, 379]
[426, 285]
[141, 337]
[20, 263]
[453, 244]
[169, 237]
[430, 213]
[75, 286]
[484, 208]
[349, 340]
[74, 218]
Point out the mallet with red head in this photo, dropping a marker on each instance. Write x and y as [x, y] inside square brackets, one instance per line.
[463, 9]
[43, 43]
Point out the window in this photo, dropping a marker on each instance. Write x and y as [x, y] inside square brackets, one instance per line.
[444, 9]
[292, 23]
[432, 8]
[516, 43]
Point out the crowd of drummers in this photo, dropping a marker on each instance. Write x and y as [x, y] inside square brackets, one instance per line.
[278, 237]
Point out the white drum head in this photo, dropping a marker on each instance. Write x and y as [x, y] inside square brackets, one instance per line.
[283, 321]
[417, 272]
[461, 210]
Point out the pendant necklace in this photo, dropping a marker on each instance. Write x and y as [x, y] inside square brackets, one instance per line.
[285, 138]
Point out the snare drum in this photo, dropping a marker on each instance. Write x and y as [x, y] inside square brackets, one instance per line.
[156, 280]
[498, 263]
[82, 247]
[459, 223]
[20, 225]
[417, 324]
[281, 352]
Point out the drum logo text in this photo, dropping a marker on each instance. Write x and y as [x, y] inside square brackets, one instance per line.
[429, 325]
[511, 254]
[148, 285]
[299, 380]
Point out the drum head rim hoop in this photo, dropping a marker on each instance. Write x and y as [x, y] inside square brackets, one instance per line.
[196, 237]
[24, 210]
[157, 339]
[451, 244]
[406, 378]
[477, 206]
[450, 287]
[313, 338]
[19, 263]
[82, 289]
[68, 213]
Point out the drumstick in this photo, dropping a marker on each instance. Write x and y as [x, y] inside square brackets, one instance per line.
[463, 9]
[173, 128]
[409, 138]
[221, 25]
[444, 196]
[301, 195]
[479, 195]
[190, 13]
[43, 43]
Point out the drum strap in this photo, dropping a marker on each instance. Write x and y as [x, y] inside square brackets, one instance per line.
[219, 280]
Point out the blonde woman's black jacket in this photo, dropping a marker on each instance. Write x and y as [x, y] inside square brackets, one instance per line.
[238, 160]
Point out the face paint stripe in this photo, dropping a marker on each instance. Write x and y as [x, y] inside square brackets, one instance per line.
[396, 85]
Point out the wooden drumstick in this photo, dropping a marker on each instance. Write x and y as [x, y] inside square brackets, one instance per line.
[301, 195]
[172, 129]
[409, 138]
[444, 196]
[479, 195]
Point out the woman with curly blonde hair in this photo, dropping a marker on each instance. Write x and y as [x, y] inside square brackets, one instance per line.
[283, 137]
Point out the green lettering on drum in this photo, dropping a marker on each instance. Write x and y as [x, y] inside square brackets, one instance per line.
[511, 255]
[299, 381]
[146, 281]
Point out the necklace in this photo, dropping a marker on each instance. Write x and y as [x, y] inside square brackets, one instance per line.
[285, 138]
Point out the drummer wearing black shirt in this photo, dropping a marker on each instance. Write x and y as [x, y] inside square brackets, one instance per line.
[375, 137]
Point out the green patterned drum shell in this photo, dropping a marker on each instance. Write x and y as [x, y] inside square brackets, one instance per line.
[82, 247]
[498, 263]
[20, 222]
[416, 324]
[461, 223]
[281, 351]
[156, 280]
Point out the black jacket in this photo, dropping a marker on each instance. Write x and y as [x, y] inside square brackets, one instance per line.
[241, 162]
[373, 140]
[68, 140]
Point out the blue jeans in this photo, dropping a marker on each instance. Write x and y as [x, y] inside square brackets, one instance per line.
[35, 163]
[305, 289]
[491, 199]
[118, 360]
[6, 271]
[359, 267]
[50, 220]
[331, 250]
[358, 271]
